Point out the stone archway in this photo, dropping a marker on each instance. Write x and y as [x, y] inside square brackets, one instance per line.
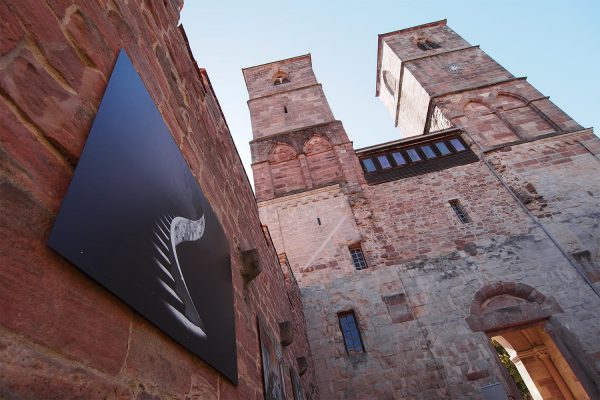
[515, 315]
[502, 305]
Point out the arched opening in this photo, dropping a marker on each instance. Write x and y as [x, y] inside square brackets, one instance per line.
[514, 316]
[425, 43]
[390, 82]
[280, 77]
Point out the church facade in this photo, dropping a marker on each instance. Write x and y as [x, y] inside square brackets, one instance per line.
[396, 271]
[477, 228]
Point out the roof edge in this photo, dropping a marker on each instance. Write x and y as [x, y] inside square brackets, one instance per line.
[278, 61]
[381, 36]
[275, 62]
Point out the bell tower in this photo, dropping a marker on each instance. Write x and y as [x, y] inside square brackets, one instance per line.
[297, 143]
[431, 79]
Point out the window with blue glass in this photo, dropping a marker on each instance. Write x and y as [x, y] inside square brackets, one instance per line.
[457, 144]
[369, 165]
[399, 158]
[428, 151]
[385, 163]
[414, 156]
[351, 333]
[415, 153]
[443, 148]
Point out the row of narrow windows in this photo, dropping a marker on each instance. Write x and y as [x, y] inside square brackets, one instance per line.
[412, 155]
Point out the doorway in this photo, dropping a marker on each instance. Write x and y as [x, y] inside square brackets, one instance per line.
[540, 364]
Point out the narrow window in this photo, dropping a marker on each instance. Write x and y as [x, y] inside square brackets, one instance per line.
[399, 158]
[369, 165]
[318, 220]
[428, 151]
[459, 211]
[414, 156]
[458, 146]
[443, 149]
[385, 163]
[350, 332]
[358, 258]
[285, 109]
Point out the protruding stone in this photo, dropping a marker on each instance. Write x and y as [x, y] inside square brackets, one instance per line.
[251, 267]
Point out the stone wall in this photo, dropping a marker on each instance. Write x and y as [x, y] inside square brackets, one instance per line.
[61, 334]
[425, 268]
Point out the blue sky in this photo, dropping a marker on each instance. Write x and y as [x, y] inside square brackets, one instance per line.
[556, 44]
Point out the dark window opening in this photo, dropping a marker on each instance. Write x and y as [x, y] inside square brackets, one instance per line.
[428, 151]
[351, 333]
[459, 211]
[358, 258]
[427, 44]
[457, 144]
[280, 80]
[369, 165]
[318, 220]
[285, 109]
[385, 163]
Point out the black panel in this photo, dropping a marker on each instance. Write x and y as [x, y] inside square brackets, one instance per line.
[135, 220]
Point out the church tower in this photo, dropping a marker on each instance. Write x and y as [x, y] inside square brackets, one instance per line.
[298, 145]
[477, 226]
[430, 79]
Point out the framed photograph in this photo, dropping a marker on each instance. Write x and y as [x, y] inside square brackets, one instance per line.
[135, 220]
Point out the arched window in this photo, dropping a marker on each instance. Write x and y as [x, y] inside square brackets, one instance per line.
[280, 77]
[390, 82]
[425, 43]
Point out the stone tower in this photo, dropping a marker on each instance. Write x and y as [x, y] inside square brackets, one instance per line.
[480, 224]
[298, 145]
[425, 71]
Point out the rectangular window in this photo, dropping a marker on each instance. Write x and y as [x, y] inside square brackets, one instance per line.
[414, 156]
[459, 211]
[428, 151]
[350, 332]
[358, 258]
[369, 165]
[457, 144]
[443, 149]
[399, 158]
[385, 163]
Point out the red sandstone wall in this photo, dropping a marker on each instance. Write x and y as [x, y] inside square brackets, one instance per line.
[62, 335]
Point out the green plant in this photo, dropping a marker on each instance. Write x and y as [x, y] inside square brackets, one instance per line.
[512, 370]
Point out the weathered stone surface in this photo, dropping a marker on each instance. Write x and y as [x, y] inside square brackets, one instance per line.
[37, 283]
[26, 373]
